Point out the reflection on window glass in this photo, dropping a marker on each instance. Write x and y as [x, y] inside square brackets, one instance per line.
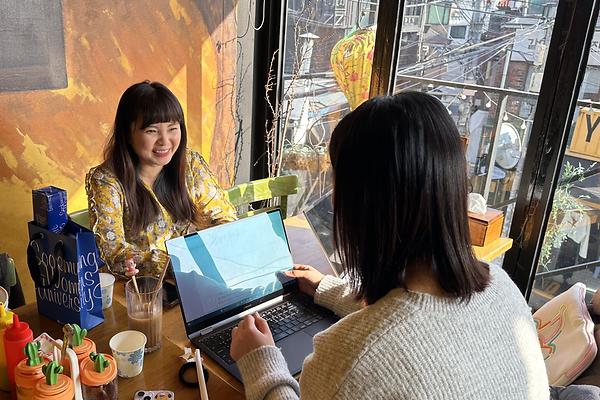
[571, 249]
[485, 61]
[327, 71]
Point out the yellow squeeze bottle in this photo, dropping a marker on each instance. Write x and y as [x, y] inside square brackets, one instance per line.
[6, 319]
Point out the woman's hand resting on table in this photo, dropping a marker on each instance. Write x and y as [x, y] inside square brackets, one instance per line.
[251, 333]
[308, 278]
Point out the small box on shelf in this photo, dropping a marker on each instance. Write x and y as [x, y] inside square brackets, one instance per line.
[485, 228]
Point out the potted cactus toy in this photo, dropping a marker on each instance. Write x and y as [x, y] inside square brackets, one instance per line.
[99, 377]
[29, 371]
[55, 386]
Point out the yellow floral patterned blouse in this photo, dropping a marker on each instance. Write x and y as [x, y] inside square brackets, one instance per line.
[109, 216]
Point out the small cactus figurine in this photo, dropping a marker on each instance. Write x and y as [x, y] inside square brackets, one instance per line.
[51, 371]
[78, 335]
[31, 350]
[99, 361]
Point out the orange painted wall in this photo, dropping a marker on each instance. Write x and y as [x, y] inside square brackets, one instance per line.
[52, 137]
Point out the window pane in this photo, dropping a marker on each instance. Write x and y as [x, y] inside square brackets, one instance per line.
[571, 249]
[485, 62]
[327, 71]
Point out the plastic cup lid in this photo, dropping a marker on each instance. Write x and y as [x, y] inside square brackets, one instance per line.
[62, 390]
[27, 376]
[86, 347]
[90, 377]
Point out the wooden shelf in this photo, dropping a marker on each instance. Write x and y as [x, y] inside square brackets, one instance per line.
[485, 253]
[493, 250]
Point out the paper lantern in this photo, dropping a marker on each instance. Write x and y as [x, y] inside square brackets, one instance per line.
[352, 61]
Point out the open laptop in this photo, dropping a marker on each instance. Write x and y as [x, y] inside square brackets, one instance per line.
[320, 220]
[228, 271]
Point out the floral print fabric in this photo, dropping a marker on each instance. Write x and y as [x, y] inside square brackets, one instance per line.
[110, 219]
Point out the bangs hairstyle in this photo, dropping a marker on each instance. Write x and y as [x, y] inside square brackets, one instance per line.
[141, 105]
[400, 197]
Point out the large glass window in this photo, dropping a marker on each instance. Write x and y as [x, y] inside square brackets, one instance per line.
[571, 249]
[484, 61]
[328, 57]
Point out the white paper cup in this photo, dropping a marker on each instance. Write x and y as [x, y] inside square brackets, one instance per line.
[107, 284]
[128, 349]
[4, 297]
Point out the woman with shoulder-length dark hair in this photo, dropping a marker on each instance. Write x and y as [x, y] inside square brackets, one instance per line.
[150, 187]
[422, 317]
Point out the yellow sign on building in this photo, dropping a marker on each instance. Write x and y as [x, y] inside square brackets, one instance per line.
[586, 137]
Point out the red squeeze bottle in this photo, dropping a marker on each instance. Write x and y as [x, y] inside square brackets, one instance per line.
[16, 336]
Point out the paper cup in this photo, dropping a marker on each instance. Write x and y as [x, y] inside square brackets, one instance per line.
[4, 297]
[128, 349]
[107, 284]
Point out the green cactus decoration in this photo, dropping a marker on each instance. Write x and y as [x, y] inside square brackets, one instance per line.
[31, 350]
[78, 335]
[51, 371]
[99, 361]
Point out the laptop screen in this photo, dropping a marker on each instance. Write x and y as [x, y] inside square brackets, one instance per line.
[320, 220]
[227, 268]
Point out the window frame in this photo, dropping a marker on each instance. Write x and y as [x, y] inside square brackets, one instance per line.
[565, 67]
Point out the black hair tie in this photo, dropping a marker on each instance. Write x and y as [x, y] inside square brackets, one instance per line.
[186, 381]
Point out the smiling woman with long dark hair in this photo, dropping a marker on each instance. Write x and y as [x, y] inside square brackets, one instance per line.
[422, 318]
[150, 187]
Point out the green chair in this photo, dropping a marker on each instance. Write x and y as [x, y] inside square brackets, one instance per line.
[81, 217]
[243, 195]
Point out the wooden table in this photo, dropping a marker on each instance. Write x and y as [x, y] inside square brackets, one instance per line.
[161, 367]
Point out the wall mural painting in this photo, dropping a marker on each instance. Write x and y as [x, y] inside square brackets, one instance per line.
[52, 131]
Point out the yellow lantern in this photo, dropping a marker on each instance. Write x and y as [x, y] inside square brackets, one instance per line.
[352, 62]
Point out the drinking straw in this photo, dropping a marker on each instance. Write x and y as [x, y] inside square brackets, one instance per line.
[67, 339]
[160, 279]
[200, 373]
[135, 285]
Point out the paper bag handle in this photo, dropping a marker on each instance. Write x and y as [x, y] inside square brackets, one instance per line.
[33, 263]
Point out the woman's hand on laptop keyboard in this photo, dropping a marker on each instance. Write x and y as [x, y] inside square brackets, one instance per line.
[308, 278]
[251, 333]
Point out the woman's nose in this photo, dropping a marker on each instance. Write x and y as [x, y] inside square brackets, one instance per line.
[162, 136]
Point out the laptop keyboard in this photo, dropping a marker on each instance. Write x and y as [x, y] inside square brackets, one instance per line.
[284, 319]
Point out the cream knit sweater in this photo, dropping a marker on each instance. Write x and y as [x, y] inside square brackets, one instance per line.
[412, 345]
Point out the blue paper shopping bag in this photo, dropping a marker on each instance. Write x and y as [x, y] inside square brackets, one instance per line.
[65, 269]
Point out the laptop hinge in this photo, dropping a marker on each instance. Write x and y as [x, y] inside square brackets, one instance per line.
[241, 315]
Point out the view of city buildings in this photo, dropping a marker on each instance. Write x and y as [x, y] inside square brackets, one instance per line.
[485, 60]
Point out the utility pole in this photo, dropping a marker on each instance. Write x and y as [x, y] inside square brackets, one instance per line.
[475, 32]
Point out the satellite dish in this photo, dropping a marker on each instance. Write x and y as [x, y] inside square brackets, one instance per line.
[508, 147]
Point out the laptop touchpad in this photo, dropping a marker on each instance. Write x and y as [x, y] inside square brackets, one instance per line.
[295, 348]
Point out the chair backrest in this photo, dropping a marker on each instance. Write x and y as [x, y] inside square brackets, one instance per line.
[242, 195]
[81, 217]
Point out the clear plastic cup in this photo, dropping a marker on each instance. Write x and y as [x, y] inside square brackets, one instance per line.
[144, 310]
